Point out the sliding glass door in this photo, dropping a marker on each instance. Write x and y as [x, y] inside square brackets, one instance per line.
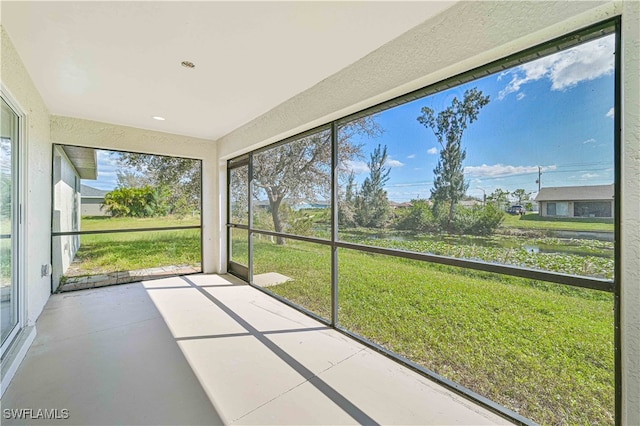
[9, 214]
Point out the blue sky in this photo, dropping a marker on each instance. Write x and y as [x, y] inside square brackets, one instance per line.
[107, 171]
[555, 112]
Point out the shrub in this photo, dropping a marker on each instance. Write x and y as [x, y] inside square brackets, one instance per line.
[477, 220]
[136, 202]
[297, 222]
[419, 218]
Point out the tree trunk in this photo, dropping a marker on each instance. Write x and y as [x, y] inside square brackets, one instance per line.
[450, 219]
[277, 223]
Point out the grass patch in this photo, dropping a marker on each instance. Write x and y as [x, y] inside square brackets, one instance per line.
[95, 223]
[537, 222]
[309, 267]
[102, 253]
[543, 350]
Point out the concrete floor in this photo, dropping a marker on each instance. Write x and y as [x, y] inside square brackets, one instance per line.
[207, 349]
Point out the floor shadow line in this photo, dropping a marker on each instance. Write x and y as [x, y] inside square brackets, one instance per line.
[222, 336]
[177, 287]
[347, 406]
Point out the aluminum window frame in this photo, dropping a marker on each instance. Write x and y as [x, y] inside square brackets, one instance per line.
[18, 233]
[235, 268]
[592, 32]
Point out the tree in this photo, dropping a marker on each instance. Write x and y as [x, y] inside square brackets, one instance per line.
[6, 185]
[520, 195]
[499, 197]
[419, 218]
[448, 126]
[136, 202]
[239, 194]
[346, 204]
[129, 179]
[372, 205]
[180, 175]
[301, 169]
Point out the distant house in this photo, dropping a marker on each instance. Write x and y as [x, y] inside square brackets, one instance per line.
[92, 200]
[576, 201]
[470, 203]
[394, 205]
[307, 204]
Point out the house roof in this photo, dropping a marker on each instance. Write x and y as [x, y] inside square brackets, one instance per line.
[88, 191]
[577, 193]
[84, 160]
[396, 204]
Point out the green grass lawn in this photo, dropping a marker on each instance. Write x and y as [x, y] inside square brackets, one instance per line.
[127, 252]
[94, 223]
[103, 253]
[535, 221]
[543, 350]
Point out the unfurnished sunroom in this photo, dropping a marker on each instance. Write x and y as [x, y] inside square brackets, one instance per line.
[348, 160]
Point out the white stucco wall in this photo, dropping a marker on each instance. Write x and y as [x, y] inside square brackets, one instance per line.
[630, 213]
[37, 177]
[79, 132]
[466, 36]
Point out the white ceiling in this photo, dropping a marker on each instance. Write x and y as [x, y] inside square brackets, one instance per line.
[119, 62]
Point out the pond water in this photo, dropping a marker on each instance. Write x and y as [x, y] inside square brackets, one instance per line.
[572, 246]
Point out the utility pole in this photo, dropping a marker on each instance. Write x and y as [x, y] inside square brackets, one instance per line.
[484, 196]
[539, 181]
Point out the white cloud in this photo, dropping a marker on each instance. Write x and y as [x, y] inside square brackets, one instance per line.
[357, 167]
[108, 168]
[410, 184]
[411, 156]
[520, 96]
[501, 170]
[432, 151]
[589, 175]
[591, 140]
[108, 158]
[611, 112]
[565, 69]
[360, 167]
[393, 163]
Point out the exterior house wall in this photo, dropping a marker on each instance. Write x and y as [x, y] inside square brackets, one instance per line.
[65, 215]
[570, 211]
[91, 207]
